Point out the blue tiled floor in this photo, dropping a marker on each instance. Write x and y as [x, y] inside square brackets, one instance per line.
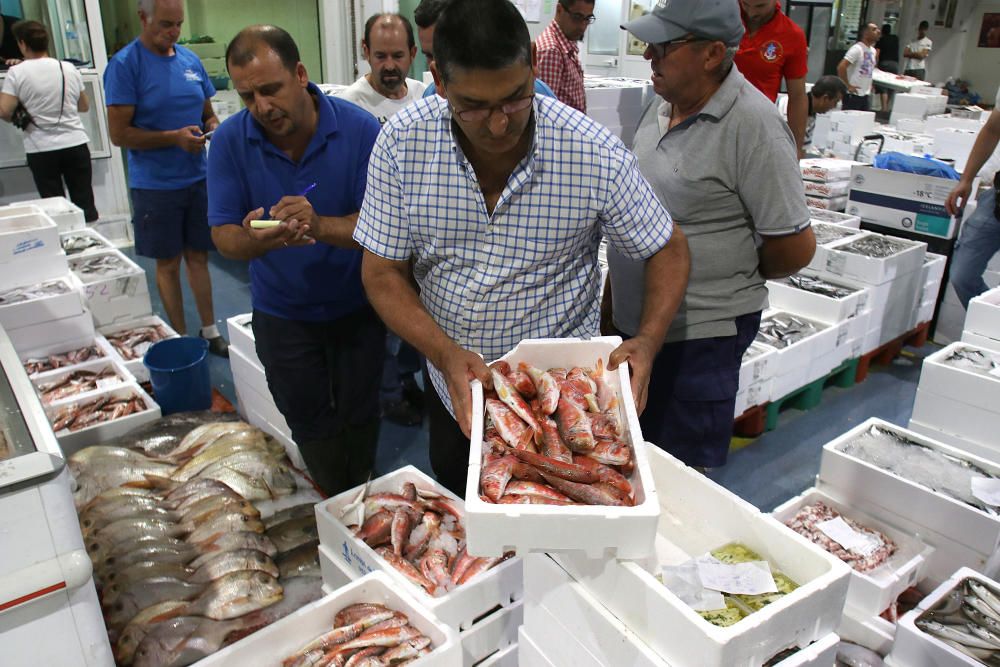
[768, 471]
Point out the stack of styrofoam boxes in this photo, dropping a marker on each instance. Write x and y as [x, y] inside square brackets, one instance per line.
[908, 143]
[585, 611]
[821, 132]
[756, 374]
[617, 103]
[67, 215]
[982, 321]
[851, 314]
[847, 130]
[112, 297]
[275, 643]
[942, 121]
[255, 401]
[834, 218]
[932, 276]
[916, 106]
[954, 144]
[826, 182]
[959, 405]
[806, 360]
[894, 283]
[486, 612]
[916, 648]
[134, 365]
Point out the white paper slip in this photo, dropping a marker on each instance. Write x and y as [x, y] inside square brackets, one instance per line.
[684, 582]
[751, 578]
[852, 540]
[987, 490]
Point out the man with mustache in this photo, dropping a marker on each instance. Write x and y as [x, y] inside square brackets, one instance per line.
[300, 158]
[389, 48]
[559, 51]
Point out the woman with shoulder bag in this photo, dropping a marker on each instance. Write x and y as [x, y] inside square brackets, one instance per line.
[43, 97]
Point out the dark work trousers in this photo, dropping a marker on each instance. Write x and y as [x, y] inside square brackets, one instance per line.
[692, 395]
[856, 102]
[449, 447]
[51, 168]
[324, 377]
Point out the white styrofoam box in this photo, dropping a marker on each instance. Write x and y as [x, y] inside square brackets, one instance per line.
[835, 218]
[44, 309]
[628, 532]
[758, 368]
[942, 121]
[19, 209]
[930, 90]
[612, 97]
[247, 372]
[954, 144]
[498, 630]
[52, 333]
[99, 365]
[951, 518]
[63, 212]
[912, 104]
[925, 313]
[981, 341]
[72, 441]
[505, 657]
[825, 169]
[260, 410]
[283, 638]
[910, 125]
[115, 228]
[976, 426]
[785, 383]
[135, 366]
[34, 269]
[870, 592]
[913, 144]
[915, 648]
[528, 653]
[822, 364]
[128, 282]
[933, 269]
[911, 202]
[832, 189]
[697, 516]
[821, 130]
[105, 244]
[857, 124]
[823, 252]
[798, 355]
[820, 653]
[108, 308]
[241, 336]
[71, 345]
[815, 306]
[26, 237]
[755, 394]
[827, 203]
[983, 315]
[874, 270]
[501, 585]
[961, 385]
[874, 632]
[856, 327]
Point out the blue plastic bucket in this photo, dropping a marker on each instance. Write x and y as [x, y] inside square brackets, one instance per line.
[178, 370]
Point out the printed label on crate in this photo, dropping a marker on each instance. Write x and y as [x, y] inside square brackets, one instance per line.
[354, 559]
[987, 490]
[852, 540]
[835, 263]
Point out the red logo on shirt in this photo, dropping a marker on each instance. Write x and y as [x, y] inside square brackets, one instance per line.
[771, 51]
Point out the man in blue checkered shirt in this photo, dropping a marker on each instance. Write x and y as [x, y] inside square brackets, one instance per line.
[499, 199]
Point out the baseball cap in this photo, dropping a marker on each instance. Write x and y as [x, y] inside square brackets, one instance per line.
[673, 19]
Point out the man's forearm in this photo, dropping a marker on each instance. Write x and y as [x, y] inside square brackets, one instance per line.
[842, 73]
[337, 231]
[666, 281]
[798, 115]
[233, 242]
[983, 148]
[135, 138]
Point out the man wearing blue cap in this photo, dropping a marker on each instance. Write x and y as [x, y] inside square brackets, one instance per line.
[721, 158]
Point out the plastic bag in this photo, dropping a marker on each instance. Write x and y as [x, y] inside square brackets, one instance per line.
[912, 164]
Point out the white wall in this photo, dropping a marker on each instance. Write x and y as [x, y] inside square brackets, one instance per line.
[949, 43]
[981, 66]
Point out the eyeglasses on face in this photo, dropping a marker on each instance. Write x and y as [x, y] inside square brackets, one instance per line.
[661, 49]
[476, 115]
[580, 18]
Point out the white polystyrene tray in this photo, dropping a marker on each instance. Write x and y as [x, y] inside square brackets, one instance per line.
[815, 306]
[983, 316]
[98, 365]
[501, 585]
[72, 441]
[627, 532]
[915, 648]
[697, 516]
[44, 309]
[870, 593]
[272, 644]
[878, 488]
[69, 346]
[965, 386]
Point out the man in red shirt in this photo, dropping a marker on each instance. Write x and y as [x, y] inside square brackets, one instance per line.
[774, 47]
[559, 54]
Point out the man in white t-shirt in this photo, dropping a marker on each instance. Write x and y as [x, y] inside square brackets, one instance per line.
[389, 48]
[916, 53]
[857, 68]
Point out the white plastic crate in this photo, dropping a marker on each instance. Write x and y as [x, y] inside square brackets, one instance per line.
[283, 638]
[241, 337]
[135, 366]
[502, 585]
[981, 341]
[698, 516]
[870, 593]
[973, 426]
[44, 309]
[915, 648]
[27, 237]
[72, 441]
[63, 212]
[815, 306]
[121, 376]
[878, 488]
[983, 317]
[53, 333]
[627, 532]
[964, 386]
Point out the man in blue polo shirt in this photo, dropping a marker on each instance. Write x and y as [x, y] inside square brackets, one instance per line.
[159, 108]
[299, 157]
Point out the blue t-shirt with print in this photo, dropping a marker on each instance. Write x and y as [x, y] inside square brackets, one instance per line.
[312, 283]
[168, 93]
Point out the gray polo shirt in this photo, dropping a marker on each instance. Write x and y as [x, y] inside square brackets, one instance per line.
[725, 174]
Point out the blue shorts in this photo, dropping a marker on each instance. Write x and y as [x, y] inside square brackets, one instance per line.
[167, 222]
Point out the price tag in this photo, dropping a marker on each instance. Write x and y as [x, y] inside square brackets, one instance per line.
[987, 490]
[852, 540]
[751, 578]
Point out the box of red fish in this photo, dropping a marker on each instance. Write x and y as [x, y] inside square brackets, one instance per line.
[894, 562]
[313, 626]
[130, 340]
[560, 469]
[67, 353]
[456, 585]
[97, 416]
[81, 379]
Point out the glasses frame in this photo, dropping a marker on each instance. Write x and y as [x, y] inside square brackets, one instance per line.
[660, 48]
[507, 108]
[580, 18]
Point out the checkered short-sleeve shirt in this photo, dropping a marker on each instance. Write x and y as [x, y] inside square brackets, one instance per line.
[530, 269]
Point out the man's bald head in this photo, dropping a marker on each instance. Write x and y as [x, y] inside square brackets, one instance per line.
[249, 41]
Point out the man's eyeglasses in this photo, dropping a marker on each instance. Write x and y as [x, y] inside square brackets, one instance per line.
[580, 18]
[660, 49]
[476, 115]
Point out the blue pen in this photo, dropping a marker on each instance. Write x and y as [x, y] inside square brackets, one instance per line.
[309, 188]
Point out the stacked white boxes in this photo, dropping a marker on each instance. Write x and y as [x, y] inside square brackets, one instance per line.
[847, 130]
[256, 404]
[112, 296]
[982, 320]
[486, 612]
[959, 404]
[916, 106]
[805, 360]
[617, 103]
[834, 218]
[954, 144]
[756, 376]
[67, 215]
[931, 280]
[941, 121]
[915, 143]
[826, 182]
